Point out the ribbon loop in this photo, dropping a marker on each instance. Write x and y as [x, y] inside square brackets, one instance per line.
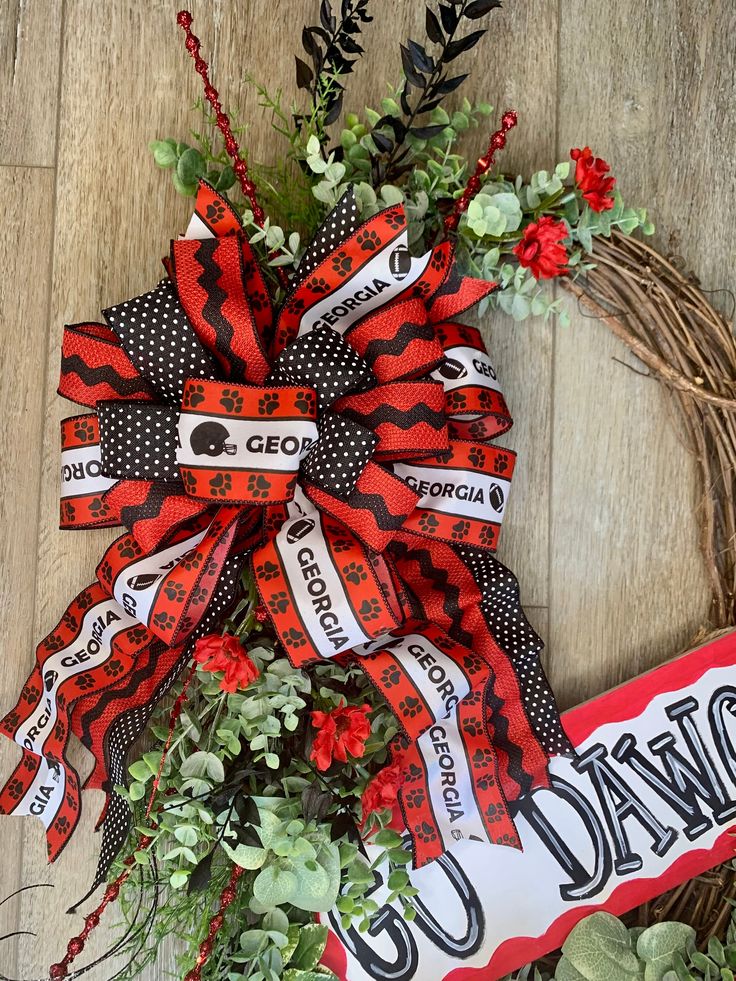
[321, 589]
[83, 484]
[244, 443]
[138, 440]
[463, 493]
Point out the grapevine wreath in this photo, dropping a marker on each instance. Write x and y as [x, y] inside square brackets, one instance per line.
[297, 442]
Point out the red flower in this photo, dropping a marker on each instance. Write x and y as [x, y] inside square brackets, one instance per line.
[541, 249]
[383, 790]
[590, 177]
[342, 731]
[223, 652]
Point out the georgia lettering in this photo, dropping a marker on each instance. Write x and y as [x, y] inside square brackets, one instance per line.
[321, 600]
[448, 774]
[333, 316]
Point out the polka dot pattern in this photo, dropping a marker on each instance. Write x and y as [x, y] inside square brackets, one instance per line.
[325, 362]
[138, 440]
[160, 341]
[339, 457]
[501, 607]
[128, 726]
[340, 224]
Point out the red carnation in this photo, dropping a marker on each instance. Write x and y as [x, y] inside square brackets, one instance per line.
[590, 177]
[383, 790]
[343, 730]
[223, 652]
[541, 249]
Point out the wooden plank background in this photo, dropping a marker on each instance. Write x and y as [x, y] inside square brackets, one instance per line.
[600, 528]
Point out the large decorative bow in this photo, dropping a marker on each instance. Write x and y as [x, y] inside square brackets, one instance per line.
[342, 448]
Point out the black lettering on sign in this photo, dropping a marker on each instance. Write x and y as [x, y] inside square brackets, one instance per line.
[619, 803]
[722, 701]
[583, 884]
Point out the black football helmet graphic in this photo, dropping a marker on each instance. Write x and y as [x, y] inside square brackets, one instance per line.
[211, 439]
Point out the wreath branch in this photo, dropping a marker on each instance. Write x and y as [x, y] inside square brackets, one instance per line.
[666, 320]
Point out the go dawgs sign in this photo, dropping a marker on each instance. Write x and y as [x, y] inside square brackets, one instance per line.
[649, 802]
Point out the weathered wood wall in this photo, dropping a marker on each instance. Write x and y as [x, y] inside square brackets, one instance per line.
[600, 530]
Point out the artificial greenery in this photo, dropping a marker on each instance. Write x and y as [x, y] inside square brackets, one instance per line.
[238, 786]
[406, 150]
[602, 948]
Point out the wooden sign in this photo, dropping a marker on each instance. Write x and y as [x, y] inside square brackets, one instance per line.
[649, 802]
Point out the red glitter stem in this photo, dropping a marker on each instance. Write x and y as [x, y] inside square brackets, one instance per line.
[205, 948]
[497, 142]
[173, 719]
[184, 20]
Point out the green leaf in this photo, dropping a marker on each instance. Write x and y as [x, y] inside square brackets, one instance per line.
[274, 886]
[658, 943]
[190, 166]
[140, 771]
[186, 834]
[388, 838]
[164, 155]
[600, 950]
[136, 791]
[311, 946]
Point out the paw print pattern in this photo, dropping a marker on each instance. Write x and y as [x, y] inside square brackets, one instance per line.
[482, 758]
[97, 507]
[305, 402]
[215, 212]
[487, 536]
[194, 396]
[415, 797]
[113, 668]
[54, 642]
[84, 681]
[164, 621]
[355, 573]
[175, 592]
[390, 677]
[370, 609]
[394, 218]
[410, 706]
[27, 694]
[268, 404]
[258, 485]
[269, 570]
[67, 512]
[341, 544]
[368, 241]
[426, 833]
[231, 400]
[221, 484]
[15, 789]
[294, 638]
[190, 482]
[460, 530]
[62, 825]
[437, 262]
[71, 802]
[84, 431]
[319, 285]
[131, 550]
[428, 524]
[502, 463]
[477, 457]
[414, 771]
[279, 602]
[341, 264]
[191, 562]
[456, 401]
[12, 720]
